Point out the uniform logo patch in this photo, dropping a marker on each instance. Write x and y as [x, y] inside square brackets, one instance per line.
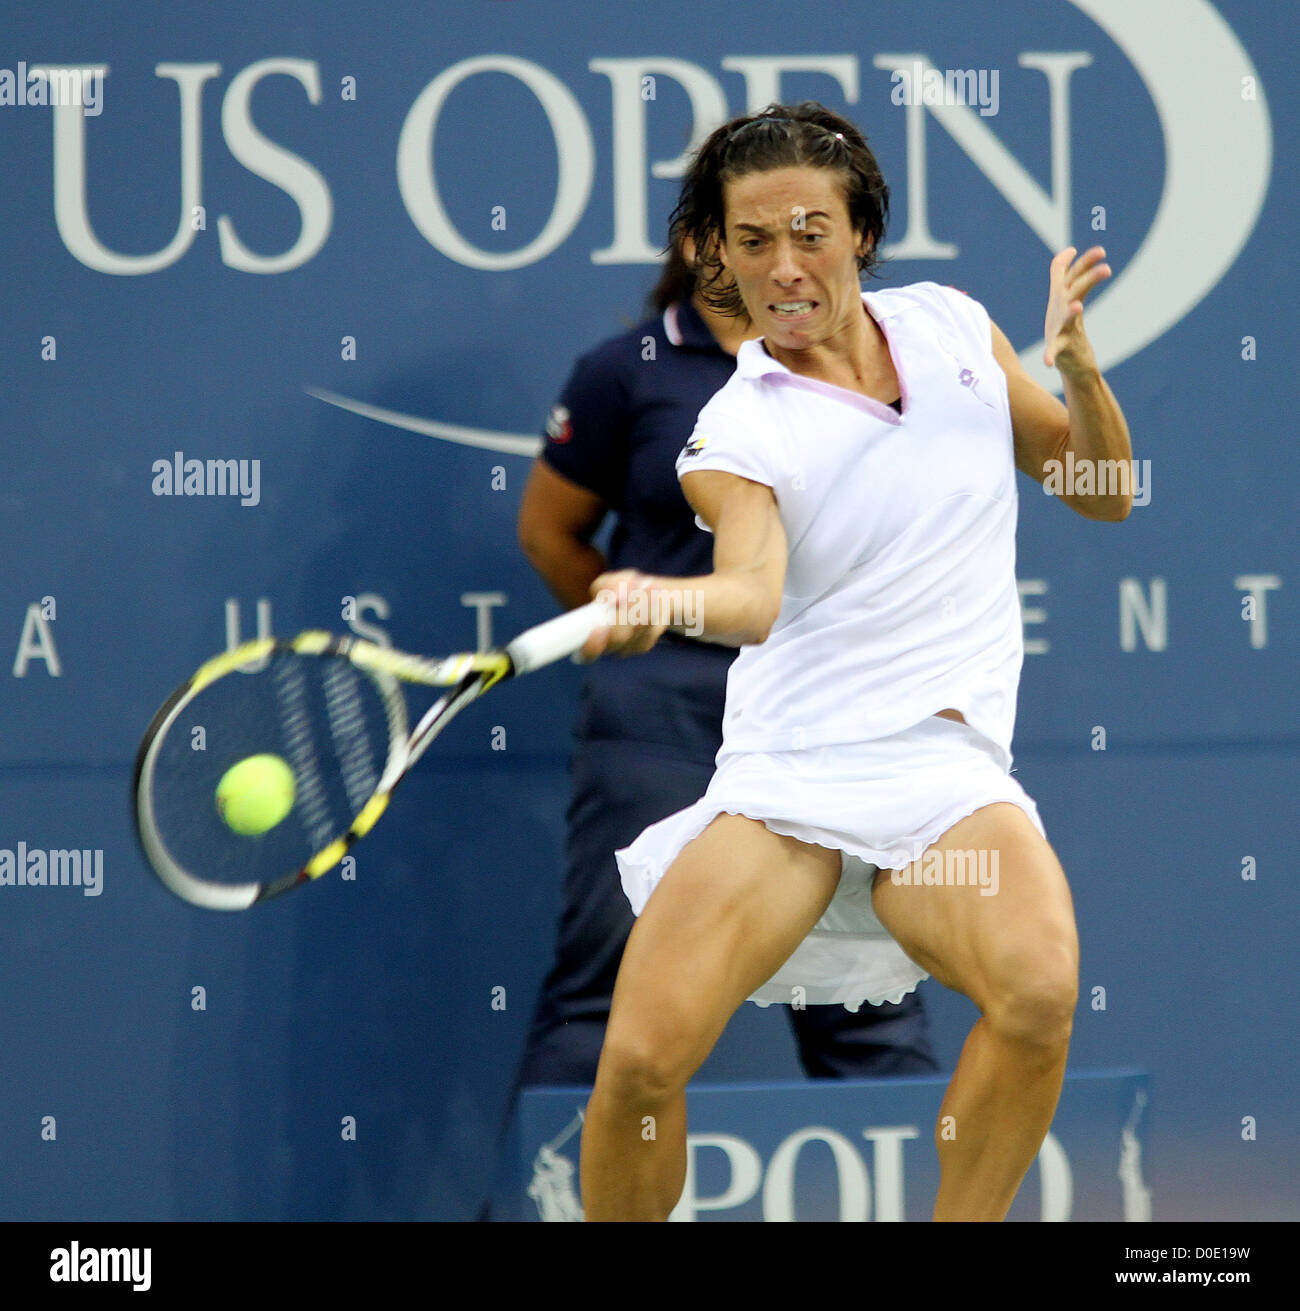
[694, 446]
[559, 427]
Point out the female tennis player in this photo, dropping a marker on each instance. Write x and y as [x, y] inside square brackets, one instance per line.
[862, 829]
[649, 729]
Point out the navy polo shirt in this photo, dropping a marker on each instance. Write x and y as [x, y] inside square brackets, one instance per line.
[627, 409]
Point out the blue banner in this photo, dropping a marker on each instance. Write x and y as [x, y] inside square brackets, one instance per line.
[291, 291]
[848, 1151]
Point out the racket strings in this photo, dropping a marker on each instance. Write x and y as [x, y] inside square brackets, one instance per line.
[300, 744]
[348, 732]
[341, 731]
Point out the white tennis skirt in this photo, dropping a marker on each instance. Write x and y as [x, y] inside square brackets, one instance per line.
[880, 804]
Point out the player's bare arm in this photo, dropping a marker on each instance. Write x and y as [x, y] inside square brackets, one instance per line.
[738, 602]
[1090, 423]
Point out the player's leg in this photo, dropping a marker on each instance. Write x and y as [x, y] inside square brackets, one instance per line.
[727, 914]
[619, 790]
[1014, 953]
[874, 1042]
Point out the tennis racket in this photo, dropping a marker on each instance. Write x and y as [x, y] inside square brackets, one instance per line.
[333, 709]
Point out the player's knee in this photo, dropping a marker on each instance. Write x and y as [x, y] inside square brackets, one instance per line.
[1034, 1004]
[636, 1069]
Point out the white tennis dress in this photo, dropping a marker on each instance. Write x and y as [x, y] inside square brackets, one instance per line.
[900, 601]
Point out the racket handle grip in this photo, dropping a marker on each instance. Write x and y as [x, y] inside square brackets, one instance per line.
[557, 638]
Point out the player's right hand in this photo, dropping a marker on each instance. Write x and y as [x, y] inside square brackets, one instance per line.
[629, 593]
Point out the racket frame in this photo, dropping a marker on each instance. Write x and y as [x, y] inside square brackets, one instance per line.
[467, 676]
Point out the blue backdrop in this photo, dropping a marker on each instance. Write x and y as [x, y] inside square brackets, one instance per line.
[265, 220]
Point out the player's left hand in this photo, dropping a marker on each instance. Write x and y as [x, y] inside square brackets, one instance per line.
[1067, 346]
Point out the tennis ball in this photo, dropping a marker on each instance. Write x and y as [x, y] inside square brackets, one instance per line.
[256, 794]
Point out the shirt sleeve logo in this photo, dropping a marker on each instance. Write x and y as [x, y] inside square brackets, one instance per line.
[694, 446]
[559, 427]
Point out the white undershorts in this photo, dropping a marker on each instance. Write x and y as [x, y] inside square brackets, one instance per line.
[881, 804]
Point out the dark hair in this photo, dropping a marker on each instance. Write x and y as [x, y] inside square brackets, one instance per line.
[780, 136]
[676, 280]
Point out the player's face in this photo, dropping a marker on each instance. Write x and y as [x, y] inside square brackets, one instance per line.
[792, 250]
